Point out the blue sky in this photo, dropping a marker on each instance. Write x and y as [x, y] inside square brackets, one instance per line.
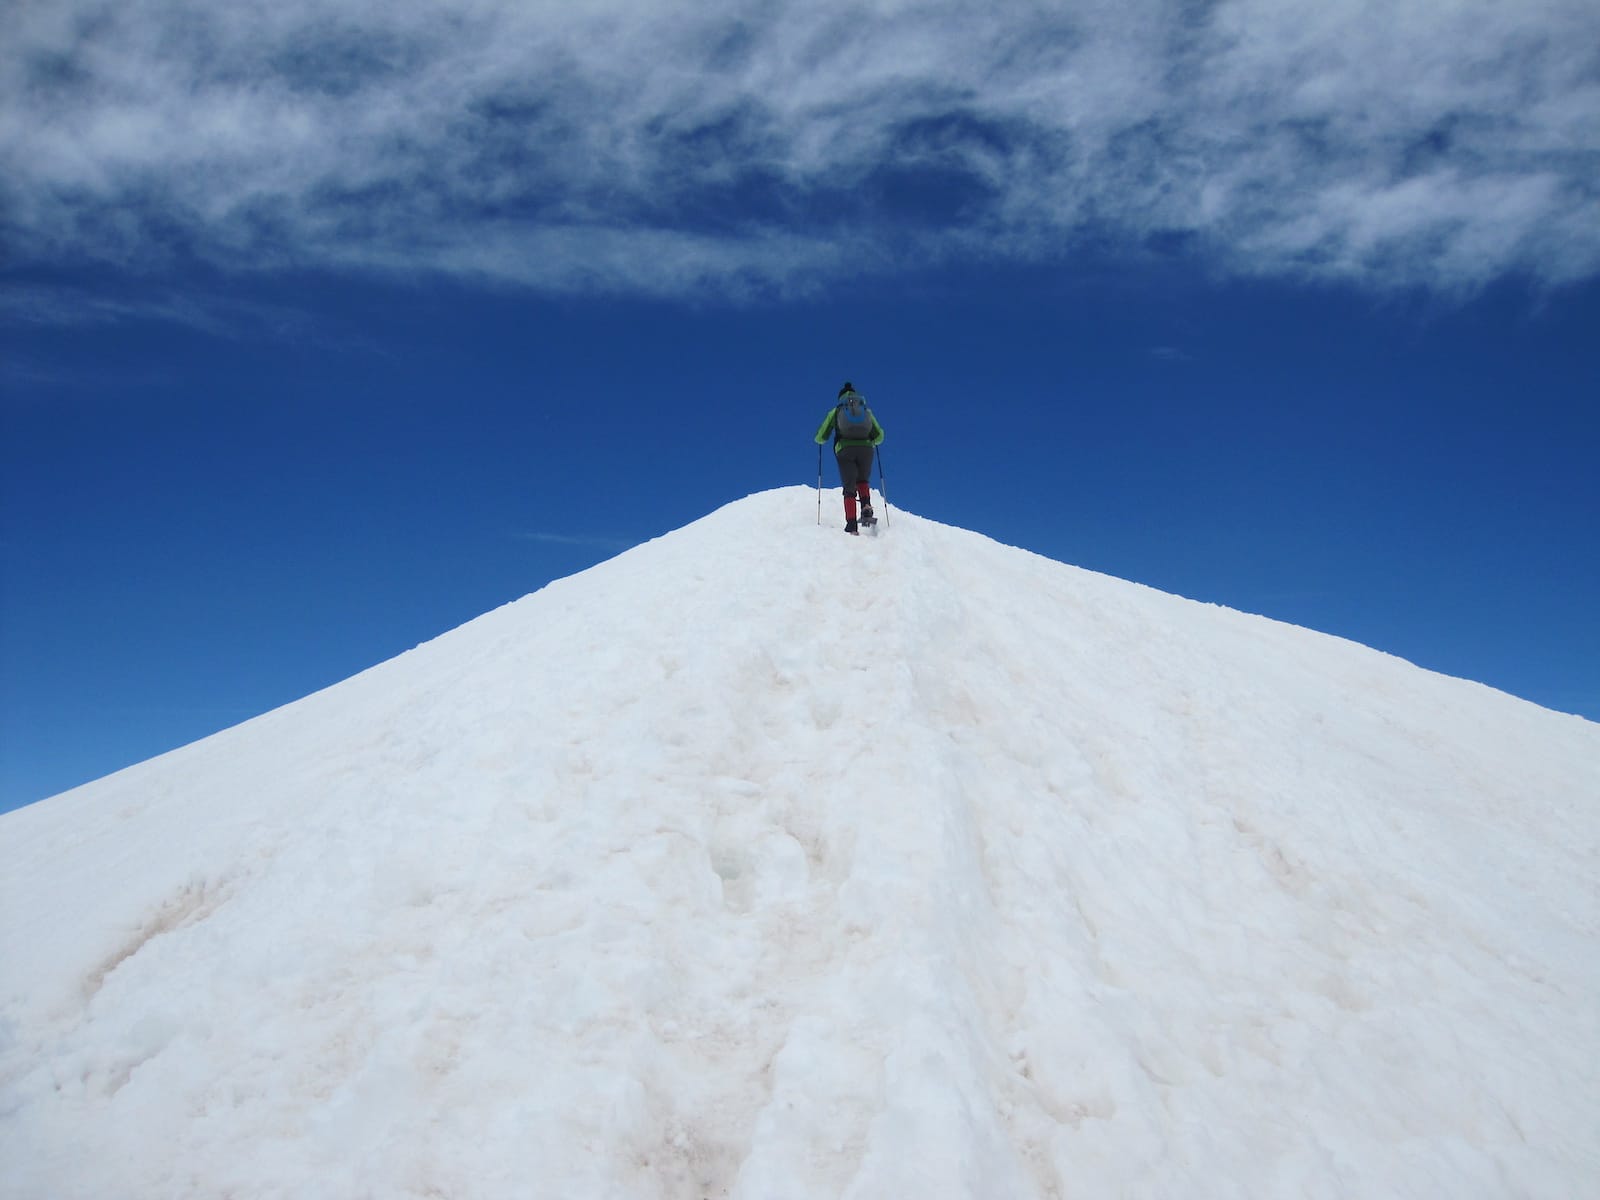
[325, 328]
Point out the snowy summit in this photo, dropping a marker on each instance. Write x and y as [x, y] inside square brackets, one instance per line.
[762, 862]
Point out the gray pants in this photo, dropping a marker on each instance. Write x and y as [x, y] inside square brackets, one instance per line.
[855, 466]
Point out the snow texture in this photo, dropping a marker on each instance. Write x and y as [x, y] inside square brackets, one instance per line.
[765, 863]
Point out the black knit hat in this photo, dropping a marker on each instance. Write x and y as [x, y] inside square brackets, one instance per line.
[848, 387]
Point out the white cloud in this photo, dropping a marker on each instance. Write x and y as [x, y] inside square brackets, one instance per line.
[614, 145]
[566, 539]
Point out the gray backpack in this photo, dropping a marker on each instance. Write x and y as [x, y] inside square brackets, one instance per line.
[853, 419]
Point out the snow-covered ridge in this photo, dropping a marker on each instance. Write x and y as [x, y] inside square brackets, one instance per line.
[762, 862]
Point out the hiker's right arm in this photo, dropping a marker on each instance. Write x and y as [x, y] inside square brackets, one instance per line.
[825, 428]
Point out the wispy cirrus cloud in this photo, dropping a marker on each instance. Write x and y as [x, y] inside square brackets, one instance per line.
[620, 146]
[568, 539]
[59, 304]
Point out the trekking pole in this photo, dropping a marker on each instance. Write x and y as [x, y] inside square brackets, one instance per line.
[883, 489]
[819, 483]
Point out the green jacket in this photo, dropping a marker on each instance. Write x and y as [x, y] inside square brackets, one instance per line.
[828, 427]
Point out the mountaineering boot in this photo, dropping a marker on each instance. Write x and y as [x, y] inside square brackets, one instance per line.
[850, 526]
[864, 497]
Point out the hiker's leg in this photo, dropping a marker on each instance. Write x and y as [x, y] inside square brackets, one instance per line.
[850, 477]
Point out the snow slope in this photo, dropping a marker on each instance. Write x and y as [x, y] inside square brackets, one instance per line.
[761, 862]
